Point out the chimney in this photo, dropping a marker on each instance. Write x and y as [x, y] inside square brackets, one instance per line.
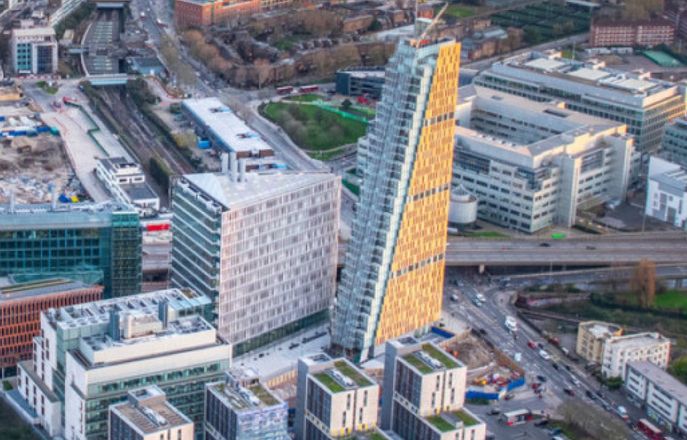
[234, 166]
[242, 170]
[13, 202]
[225, 163]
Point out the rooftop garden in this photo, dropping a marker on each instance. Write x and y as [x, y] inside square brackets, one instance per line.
[417, 363]
[329, 382]
[351, 372]
[261, 393]
[440, 356]
[466, 418]
[440, 423]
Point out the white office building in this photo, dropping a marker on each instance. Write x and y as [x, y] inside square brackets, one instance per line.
[42, 381]
[335, 399]
[644, 104]
[664, 397]
[674, 148]
[666, 192]
[263, 245]
[126, 182]
[532, 165]
[34, 50]
[619, 350]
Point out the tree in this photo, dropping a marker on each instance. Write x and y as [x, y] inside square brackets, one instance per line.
[346, 105]
[595, 424]
[643, 283]
[263, 68]
[641, 9]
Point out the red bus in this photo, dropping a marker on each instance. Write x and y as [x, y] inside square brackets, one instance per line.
[284, 90]
[650, 430]
[309, 89]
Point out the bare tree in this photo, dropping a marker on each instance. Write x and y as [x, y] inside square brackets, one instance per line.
[595, 424]
[263, 68]
[643, 283]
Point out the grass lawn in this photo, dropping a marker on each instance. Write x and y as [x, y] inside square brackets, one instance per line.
[485, 234]
[459, 11]
[672, 299]
[439, 423]
[12, 427]
[51, 90]
[313, 128]
[308, 97]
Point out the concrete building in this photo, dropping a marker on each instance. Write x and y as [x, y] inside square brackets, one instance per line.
[91, 242]
[591, 337]
[34, 51]
[146, 415]
[263, 245]
[666, 192]
[42, 380]
[533, 164]
[424, 392]
[241, 408]
[21, 305]
[644, 104]
[393, 275]
[674, 147]
[335, 399]
[126, 182]
[361, 81]
[647, 33]
[619, 350]
[663, 396]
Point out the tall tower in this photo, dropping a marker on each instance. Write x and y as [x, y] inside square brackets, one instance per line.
[393, 274]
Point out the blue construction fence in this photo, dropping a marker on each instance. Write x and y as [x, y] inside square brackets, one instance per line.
[479, 393]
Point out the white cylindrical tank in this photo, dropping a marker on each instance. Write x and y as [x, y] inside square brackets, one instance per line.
[463, 209]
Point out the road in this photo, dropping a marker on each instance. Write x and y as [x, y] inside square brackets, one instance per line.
[491, 317]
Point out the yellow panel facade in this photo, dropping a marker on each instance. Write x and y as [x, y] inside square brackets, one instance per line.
[415, 289]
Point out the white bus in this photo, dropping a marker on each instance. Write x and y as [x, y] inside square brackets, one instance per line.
[517, 417]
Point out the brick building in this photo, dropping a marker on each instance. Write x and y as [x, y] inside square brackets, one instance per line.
[631, 33]
[201, 13]
[20, 309]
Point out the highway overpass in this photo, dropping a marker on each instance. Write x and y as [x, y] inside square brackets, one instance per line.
[595, 250]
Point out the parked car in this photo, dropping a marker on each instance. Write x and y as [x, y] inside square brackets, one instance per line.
[531, 344]
[542, 422]
[590, 395]
[569, 391]
[454, 297]
[541, 378]
[544, 355]
[555, 365]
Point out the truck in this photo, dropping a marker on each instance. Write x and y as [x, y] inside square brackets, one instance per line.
[511, 324]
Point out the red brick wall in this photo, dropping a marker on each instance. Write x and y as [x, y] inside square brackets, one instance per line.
[20, 320]
[188, 13]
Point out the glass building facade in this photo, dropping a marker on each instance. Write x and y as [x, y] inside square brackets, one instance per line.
[90, 243]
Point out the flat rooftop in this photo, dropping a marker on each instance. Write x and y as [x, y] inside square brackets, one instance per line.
[255, 188]
[99, 312]
[675, 178]
[342, 376]
[600, 329]
[429, 359]
[661, 378]
[12, 292]
[248, 398]
[638, 340]
[151, 415]
[138, 191]
[65, 215]
[225, 125]
[34, 32]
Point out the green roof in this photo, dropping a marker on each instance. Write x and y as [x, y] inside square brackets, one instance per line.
[417, 363]
[329, 382]
[440, 423]
[440, 356]
[661, 58]
[262, 394]
[466, 418]
[351, 372]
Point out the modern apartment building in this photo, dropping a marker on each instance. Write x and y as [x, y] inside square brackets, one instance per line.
[647, 33]
[335, 399]
[92, 242]
[666, 192]
[21, 305]
[392, 280]
[663, 396]
[424, 393]
[146, 415]
[43, 379]
[34, 51]
[126, 182]
[674, 147]
[619, 350]
[591, 337]
[644, 104]
[262, 245]
[533, 165]
[361, 81]
[241, 408]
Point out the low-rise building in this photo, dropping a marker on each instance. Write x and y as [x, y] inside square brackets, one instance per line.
[619, 350]
[663, 396]
[666, 192]
[674, 146]
[21, 305]
[335, 399]
[202, 13]
[126, 181]
[647, 33]
[146, 415]
[424, 393]
[532, 165]
[361, 81]
[34, 51]
[241, 408]
[42, 381]
[591, 337]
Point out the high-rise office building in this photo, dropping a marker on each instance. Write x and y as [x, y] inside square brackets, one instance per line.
[424, 392]
[34, 50]
[643, 103]
[262, 245]
[241, 408]
[393, 274]
[42, 380]
[335, 399]
[146, 415]
[94, 243]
